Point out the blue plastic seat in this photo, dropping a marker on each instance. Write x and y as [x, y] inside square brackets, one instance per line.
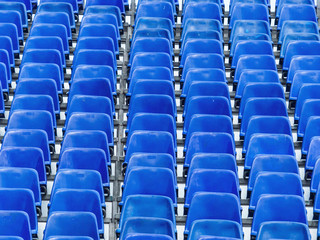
[20, 177]
[86, 139]
[69, 238]
[9, 16]
[95, 3]
[91, 121]
[16, 6]
[278, 208]
[268, 144]
[202, 75]
[82, 201]
[145, 236]
[260, 90]
[78, 179]
[15, 223]
[28, 138]
[152, 33]
[215, 229]
[6, 44]
[106, 9]
[202, 60]
[147, 225]
[313, 153]
[213, 206]
[282, 3]
[10, 30]
[261, 62]
[208, 123]
[206, 105]
[11, 237]
[4, 58]
[262, 106]
[72, 224]
[209, 143]
[234, 2]
[309, 109]
[100, 30]
[150, 142]
[74, 3]
[39, 87]
[150, 103]
[254, 76]
[27, 4]
[251, 47]
[312, 130]
[52, 30]
[315, 180]
[34, 102]
[146, 206]
[36, 119]
[304, 12]
[40, 72]
[4, 79]
[285, 230]
[316, 207]
[266, 124]
[143, 180]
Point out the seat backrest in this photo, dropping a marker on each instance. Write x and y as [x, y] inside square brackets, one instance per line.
[18, 226]
[300, 78]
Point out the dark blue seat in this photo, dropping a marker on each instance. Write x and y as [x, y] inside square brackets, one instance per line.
[78, 179]
[312, 130]
[86, 139]
[74, 4]
[4, 58]
[114, 10]
[54, 30]
[268, 144]
[143, 180]
[264, 62]
[202, 75]
[28, 138]
[213, 206]
[91, 121]
[36, 119]
[278, 208]
[83, 200]
[20, 177]
[262, 106]
[208, 123]
[215, 229]
[9, 16]
[202, 60]
[206, 105]
[72, 224]
[6, 44]
[309, 109]
[209, 143]
[15, 199]
[313, 153]
[147, 23]
[117, 3]
[304, 12]
[18, 224]
[16, 6]
[147, 225]
[10, 30]
[146, 206]
[266, 124]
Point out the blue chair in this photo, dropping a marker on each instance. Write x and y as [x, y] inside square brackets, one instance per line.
[222, 229]
[141, 72]
[278, 208]
[213, 206]
[72, 224]
[10, 30]
[282, 3]
[147, 225]
[304, 12]
[6, 44]
[150, 142]
[4, 80]
[39, 87]
[202, 75]
[313, 154]
[4, 58]
[208, 123]
[34, 102]
[21, 177]
[234, 2]
[202, 60]
[266, 124]
[172, 2]
[27, 4]
[261, 62]
[78, 158]
[206, 105]
[309, 109]
[291, 230]
[46, 42]
[29, 138]
[145, 236]
[69, 238]
[86, 139]
[11, 237]
[147, 23]
[82, 201]
[209, 143]
[37, 119]
[12, 17]
[151, 33]
[78, 179]
[262, 106]
[315, 180]
[151, 206]
[106, 9]
[91, 121]
[312, 130]
[53, 30]
[42, 71]
[74, 4]
[15, 223]
[281, 144]
[254, 76]
[143, 180]
[17, 6]
[95, 3]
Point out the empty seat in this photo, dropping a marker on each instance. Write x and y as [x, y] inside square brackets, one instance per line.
[69, 238]
[4, 58]
[6, 44]
[281, 4]
[312, 130]
[10, 30]
[152, 33]
[141, 72]
[313, 153]
[72, 224]
[309, 109]
[17, 6]
[4, 80]
[145, 236]
[15, 223]
[98, 3]
[106, 9]
[10, 16]
[27, 4]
